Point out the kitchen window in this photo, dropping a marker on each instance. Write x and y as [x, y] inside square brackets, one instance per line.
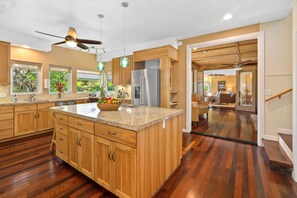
[60, 76]
[87, 81]
[25, 77]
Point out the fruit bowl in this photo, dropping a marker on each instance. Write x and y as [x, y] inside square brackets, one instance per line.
[108, 107]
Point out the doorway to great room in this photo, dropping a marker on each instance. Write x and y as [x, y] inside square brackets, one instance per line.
[224, 91]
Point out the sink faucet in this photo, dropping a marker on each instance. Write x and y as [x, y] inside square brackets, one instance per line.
[30, 97]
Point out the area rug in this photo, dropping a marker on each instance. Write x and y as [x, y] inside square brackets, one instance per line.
[230, 105]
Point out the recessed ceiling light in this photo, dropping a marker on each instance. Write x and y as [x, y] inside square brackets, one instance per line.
[26, 46]
[194, 48]
[227, 16]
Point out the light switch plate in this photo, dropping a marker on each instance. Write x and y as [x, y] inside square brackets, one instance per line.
[2, 95]
[268, 92]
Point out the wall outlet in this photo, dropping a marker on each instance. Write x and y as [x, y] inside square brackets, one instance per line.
[2, 95]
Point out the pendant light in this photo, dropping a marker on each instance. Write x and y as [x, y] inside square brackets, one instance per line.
[124, 62]
[100, 65]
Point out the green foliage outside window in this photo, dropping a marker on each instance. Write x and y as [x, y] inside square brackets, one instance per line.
[59, 77]
[24, 80]
[89, 86]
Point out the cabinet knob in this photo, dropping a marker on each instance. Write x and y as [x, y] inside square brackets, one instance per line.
[61, 152]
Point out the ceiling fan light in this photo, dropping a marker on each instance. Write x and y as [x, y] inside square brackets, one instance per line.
[100, 66]
[124, 62]
[71, 43]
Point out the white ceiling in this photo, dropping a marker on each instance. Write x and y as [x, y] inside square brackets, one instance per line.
[146, 20]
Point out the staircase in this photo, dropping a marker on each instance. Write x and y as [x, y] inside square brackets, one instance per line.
[280, 153]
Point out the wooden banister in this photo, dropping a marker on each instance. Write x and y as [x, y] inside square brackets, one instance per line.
[278, 95]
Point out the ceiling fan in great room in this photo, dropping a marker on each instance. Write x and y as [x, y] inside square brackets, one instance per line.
[71, 39]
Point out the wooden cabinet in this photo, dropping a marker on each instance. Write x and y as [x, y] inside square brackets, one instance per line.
[81, 151]
[6, 122]
[30, 118]
[121, 75]
[82, 101]
[115, 167]
[45, 116]
[116, 75]
[4, 63]
[62, 145]
[25, 119]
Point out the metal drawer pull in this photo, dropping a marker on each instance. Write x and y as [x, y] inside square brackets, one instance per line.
[111, 133]
[79, 139]
[109, 156]
[79, 124]
[61, 128]
[61, 138]
[61, 152]
[61, 118]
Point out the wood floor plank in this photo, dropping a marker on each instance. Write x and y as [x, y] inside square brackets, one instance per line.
[210, 168]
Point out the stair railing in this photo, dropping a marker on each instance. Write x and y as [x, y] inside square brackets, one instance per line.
[278, 95]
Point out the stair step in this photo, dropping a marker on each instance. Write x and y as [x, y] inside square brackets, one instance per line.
[287, 139]
[276, 155]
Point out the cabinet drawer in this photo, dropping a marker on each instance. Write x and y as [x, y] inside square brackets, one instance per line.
[62, 153]
[45, 105]
[6, 116]
[116, 134]
[62, 140]
[6, 133]
[63, 119]
[62, 146]
[6, 109]
[60, 128]
[83, 125]
[6, 124]
[19, 108]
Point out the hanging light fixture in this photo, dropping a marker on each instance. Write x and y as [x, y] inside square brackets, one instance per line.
[124, 62]
[100, 65]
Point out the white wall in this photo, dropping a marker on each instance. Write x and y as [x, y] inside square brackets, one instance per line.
[278, 74]
[294, 118]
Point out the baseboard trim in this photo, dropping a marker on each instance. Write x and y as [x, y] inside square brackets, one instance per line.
[271, 137]
[285, 148]
[285, 131]
[185, 131]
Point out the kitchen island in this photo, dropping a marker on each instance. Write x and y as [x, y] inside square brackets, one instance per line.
[130, 152]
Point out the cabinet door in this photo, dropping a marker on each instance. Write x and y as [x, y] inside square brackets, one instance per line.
[125, 164]
[25, 122]
[73, 135]
[45, 120]
[4, 63]
[116, 76]
[103, 162]
[86, 154]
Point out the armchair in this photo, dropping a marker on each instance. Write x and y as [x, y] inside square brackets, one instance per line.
[221, 98]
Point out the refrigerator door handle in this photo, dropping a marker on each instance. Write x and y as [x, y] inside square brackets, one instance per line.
[141, 91]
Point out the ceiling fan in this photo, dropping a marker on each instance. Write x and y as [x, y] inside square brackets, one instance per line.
[71, 39]
[239, 63]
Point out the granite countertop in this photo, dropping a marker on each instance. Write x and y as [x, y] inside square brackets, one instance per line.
[41, 101]
[135, 119]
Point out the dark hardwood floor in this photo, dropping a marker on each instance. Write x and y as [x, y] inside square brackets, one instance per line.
[210, 168]
[229, 124]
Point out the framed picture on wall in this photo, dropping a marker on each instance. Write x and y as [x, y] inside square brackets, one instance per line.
[222, 85]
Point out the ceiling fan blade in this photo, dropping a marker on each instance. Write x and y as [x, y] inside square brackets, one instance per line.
[89, 41]
[49, 34]
[82, 46]
[59, 43]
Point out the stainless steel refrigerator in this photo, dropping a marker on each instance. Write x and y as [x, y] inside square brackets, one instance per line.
[146, 87]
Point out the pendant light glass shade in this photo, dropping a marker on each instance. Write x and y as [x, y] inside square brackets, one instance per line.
[124, 62]
[100, 66]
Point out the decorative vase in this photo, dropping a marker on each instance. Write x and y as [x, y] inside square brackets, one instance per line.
[59, 95]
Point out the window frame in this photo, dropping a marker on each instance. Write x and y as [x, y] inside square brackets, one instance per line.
[86, 71]
[39, 76]
[69, 90]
